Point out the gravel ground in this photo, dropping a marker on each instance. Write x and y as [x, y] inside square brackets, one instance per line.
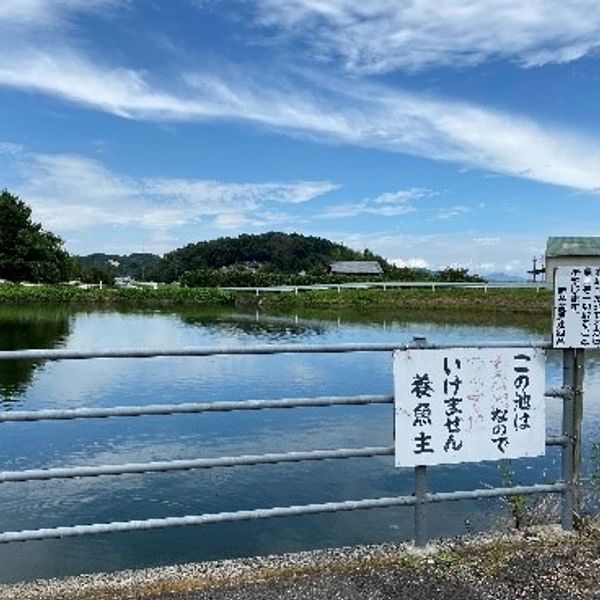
[539, 563]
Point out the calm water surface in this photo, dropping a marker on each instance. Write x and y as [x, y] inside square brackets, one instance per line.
[112, 382]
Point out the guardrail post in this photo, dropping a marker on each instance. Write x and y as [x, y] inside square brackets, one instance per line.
[420, 484]
[420, 506]
[573, 372]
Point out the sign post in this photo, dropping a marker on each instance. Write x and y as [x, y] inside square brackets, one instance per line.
[463, 405]
[575, 327]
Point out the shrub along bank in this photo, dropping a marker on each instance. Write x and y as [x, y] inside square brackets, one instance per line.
[162, 296]
[414, 299]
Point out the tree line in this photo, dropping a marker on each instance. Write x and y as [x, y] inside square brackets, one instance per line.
[30, 253]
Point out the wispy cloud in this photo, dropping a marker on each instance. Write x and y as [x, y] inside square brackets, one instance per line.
[46, 12]
[412, 262]
[70, 193]
[374, 36]
[390, 204]
[325, 108]
[449, 212]
[351, 112]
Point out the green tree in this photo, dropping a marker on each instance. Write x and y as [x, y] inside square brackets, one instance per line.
[27, 252]
[457, 274]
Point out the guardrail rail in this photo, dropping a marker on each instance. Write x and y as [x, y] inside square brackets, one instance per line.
[568, 441]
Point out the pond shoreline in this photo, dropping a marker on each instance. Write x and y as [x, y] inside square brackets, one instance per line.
[543, 562]
[503, 301]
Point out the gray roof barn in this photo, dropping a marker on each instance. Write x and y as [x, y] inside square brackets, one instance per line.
[568, 251]
[573, 246]
[356, 267]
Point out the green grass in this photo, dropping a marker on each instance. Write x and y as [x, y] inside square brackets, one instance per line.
[442, 300]
[163, 296]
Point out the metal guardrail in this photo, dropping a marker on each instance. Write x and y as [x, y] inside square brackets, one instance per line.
[387, 285]
[568, 441]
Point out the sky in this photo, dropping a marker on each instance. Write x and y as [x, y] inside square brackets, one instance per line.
[433, 132]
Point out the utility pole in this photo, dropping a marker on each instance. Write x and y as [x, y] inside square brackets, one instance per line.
[536, 271]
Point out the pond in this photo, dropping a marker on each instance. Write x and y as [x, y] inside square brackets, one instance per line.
[116, 382]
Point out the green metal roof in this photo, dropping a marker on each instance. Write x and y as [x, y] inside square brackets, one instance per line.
[573, 246]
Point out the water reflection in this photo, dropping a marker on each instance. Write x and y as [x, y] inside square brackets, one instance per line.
[67, 384]
[385, 318]
[286, 324]
[257, 324]
[28, 328]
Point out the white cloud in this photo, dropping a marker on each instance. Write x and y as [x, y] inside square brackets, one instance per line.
[65, 74]
[293, 192]
[9, 148]
[389, 204]
[351, 112]
[449, 212]
[71, 192]
[374, 36]
[411, 263]
[487, 240]
[46, 12]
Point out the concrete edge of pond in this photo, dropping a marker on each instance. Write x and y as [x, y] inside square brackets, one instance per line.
[468, 556]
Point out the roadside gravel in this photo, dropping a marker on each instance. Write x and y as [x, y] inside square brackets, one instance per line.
[538, 563]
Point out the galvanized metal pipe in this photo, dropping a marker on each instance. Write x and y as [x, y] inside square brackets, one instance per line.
[556, 440]
[563, 392]
[263, 513]
[420, 506]
[208, 463]
[199, 407]
[71, 354]
[518, 490]
[189, 464]
[223, 517]
[577, 426]
[567, 458]
[196, 407]
[396, 284]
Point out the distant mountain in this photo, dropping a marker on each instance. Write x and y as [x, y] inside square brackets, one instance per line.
[504, 278]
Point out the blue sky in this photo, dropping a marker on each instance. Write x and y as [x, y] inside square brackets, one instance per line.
[433, 132]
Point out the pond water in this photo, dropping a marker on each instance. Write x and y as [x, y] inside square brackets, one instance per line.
[117, 382]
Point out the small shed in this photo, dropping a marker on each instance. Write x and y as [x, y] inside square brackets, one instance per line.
[356, 267]
[566, 251]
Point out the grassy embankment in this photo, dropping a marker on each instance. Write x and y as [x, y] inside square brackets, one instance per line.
[442, 299]
[63, 294]
[414, 299]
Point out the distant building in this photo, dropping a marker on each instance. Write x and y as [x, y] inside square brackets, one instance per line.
[356, 267]
[124, 282]
[566, 251]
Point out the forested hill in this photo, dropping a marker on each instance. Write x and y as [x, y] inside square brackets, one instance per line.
[29, 253]
[139, 265]
[273, 251]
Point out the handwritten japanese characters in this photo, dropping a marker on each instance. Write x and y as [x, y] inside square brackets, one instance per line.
[468, 405]
[576, 307]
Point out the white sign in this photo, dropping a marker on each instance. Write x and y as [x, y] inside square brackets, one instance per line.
[468, 405]
[576, 322]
